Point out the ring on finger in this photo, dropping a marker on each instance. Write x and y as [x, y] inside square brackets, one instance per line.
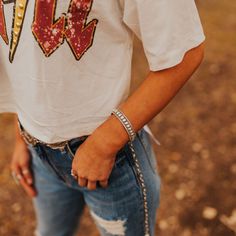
[73, 174]
[25, 171]
[16, 177]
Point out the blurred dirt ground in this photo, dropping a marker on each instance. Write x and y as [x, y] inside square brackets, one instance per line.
[196, 159]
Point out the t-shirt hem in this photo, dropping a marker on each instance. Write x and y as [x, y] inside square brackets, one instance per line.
[53, 134]
[7, 108]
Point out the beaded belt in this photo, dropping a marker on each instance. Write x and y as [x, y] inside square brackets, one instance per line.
[29, 139]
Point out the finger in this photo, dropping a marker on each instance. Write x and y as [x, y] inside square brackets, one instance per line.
[18, 168]
[92, 185]
[82, 181]
[15, 178]
[29, 189]
[103, 183]
[16, 172]
[27, 175]
[75, 176]
[72, 172]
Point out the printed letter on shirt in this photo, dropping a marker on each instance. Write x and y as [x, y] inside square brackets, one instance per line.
[3, 32]
[47, 31]
[79, 34]
[50, 34]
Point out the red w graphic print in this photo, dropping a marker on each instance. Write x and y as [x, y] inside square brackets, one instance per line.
[79, 35]
[3, 32]
[50, 32]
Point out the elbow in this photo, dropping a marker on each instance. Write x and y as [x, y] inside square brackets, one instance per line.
[190, 63]
[197, 55]
[201, 53]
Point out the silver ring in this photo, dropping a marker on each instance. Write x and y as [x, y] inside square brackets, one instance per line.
[73, 174]
[25, 171]
[16, 177]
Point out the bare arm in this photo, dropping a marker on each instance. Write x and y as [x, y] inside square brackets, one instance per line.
[20, 164]
[95, 158]
[156, 91]
[18, 138]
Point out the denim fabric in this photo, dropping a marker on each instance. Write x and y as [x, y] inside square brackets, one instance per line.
[116, 210]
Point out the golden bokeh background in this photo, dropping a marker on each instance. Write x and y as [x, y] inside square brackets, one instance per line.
[196, 159]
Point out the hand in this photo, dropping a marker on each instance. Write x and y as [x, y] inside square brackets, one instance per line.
[95, 157]
[20, 167]
[93, 161]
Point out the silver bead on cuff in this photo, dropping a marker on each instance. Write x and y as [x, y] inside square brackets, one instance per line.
[125, 122]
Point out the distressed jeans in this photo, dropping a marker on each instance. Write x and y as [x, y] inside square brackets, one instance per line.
[128, 206]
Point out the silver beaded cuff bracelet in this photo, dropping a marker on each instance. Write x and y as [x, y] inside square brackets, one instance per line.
[125, 122]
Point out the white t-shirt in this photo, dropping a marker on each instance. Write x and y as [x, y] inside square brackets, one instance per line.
[64, 65]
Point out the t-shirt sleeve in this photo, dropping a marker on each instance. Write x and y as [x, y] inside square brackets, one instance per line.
[167, 29]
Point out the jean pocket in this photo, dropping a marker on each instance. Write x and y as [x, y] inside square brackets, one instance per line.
[73, 145]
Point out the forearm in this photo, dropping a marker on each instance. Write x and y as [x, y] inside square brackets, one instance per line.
[158, 89]
[18, 137]
[154, 93]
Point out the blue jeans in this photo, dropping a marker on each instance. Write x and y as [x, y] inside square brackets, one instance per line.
[128, 206]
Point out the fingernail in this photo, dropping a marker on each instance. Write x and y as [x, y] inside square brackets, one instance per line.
[29, 181]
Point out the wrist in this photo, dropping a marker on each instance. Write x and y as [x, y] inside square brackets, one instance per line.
[125, 122]
[112, 133]
[20, 143]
